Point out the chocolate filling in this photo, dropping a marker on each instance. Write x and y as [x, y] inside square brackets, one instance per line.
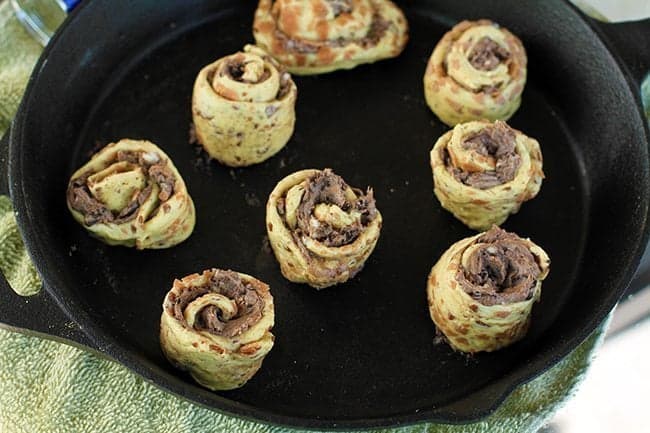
[285, 84]
[501, 271]
[165, 180]
[329, 188]
[340, 6]
[229, 284]
[81, 199]
[235, 69]
[487, 54]
[376, 32]
[377, 29]
[496, 141]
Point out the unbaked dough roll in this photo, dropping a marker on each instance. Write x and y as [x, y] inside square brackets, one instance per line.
[482, 290]
[130, 194]
[483, 172]
[216, 325]
[477, 71]
[321, 230]
[318, 36]
[243, 107]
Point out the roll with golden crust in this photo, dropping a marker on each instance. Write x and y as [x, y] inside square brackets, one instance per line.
[216, 325]
[321, 230]
[482, 290]
[483, 172]
[130, 194]
[477, 71]
[318, 36]
[243, 107]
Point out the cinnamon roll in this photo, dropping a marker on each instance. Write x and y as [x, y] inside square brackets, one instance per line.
[216, 325]
[130, 194]
[321, 230]
[483, 172]
[482, 290]
[243, 107]
[477, 71]
[318, 36]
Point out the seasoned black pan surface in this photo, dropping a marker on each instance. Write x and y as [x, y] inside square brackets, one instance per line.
[360, 354]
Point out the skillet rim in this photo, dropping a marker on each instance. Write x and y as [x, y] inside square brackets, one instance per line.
[106, 344]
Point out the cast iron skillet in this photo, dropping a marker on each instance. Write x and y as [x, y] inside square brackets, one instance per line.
[360, 354]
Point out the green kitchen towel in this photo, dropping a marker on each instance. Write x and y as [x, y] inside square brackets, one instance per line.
[51, 387]
[18, 55]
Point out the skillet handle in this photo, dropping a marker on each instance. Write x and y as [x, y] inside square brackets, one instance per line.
[631, 41]
[37, 315]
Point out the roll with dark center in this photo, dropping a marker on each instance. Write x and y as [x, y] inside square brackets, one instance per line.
[321, 230]
[217, 325]
[318, 36]
[482, 290]
[477, 71]
[131, 194]
[243, 107]
[483, 172]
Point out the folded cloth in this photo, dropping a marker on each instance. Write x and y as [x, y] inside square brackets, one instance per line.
[47, 386]
[51, 387]
[14, 262]
[18, 55]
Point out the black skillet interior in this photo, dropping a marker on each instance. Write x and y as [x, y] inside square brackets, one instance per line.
[362, 353]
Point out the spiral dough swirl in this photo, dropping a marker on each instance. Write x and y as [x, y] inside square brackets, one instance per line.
[477, 71]
[482, 290]
[243, 107]
[217, 326]
[131, 194]
[483, 172]
[321, 230]
[318, 36]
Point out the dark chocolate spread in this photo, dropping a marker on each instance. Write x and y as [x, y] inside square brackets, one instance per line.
[81, 199]
[376, 32]
[496, 141]
[229, 284]
[236, 67]
[377, 29]
[487, 54]
[329, 188]
[340, 6]
[235, 70]
[501, 271]
[165, 180]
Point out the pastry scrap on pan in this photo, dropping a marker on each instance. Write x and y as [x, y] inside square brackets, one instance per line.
[217, 325]
[318, 36]
[482, 290]
[477, 71]
[321, 230]
[483, 172]
[243, 107]
[130, 194]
